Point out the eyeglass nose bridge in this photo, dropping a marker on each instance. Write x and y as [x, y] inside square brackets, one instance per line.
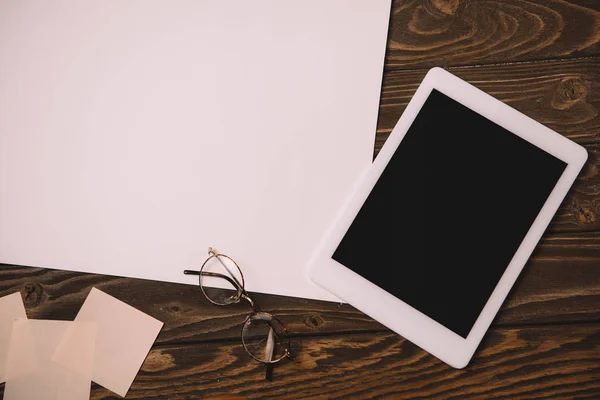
[254, 306]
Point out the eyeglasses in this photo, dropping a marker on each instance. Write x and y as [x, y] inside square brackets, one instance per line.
[264, 336]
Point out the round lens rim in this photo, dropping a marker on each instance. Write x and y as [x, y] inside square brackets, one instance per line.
[240, 290]
[285, 341]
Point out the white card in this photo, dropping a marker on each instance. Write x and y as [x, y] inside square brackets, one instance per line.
[31, 372]
[11, 308]
[136, 134]
[77, 349]
[124, 338]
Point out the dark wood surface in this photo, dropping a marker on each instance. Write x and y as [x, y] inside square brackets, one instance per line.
[540, 57]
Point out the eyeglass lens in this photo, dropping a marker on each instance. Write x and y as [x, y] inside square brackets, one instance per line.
[265, 338]
[221, 280]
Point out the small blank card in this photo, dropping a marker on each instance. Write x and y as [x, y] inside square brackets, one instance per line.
[11, 308]
[76, 350]
[125, 336]
[31, 371]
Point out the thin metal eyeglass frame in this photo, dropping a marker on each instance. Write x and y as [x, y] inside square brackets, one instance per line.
[241, 293]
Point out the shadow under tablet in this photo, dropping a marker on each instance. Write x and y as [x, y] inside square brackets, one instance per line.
[449, 212]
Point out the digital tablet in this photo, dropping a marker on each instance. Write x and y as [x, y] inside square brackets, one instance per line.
[443, 222]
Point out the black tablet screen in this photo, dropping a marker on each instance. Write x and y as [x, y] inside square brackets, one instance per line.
[449, 212]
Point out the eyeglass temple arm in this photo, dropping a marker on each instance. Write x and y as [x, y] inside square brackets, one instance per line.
[255, 307]
[214, 275]
[270, 350]
[213, 254]
[271, 344]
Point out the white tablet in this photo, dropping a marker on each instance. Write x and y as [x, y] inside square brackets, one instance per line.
[441, 225]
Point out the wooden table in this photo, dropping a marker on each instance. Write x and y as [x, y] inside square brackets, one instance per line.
[541, 57]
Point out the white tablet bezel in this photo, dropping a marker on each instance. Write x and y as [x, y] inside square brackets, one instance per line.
[389, 310]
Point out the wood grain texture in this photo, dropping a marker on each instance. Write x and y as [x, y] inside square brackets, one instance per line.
[516, 363]
[580, 211]
[565, 96]
[561, 283]
[427, 33]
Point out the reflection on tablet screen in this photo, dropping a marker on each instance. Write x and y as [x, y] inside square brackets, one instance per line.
[449, 212]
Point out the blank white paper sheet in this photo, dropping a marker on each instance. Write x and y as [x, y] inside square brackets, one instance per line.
[136, 134]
